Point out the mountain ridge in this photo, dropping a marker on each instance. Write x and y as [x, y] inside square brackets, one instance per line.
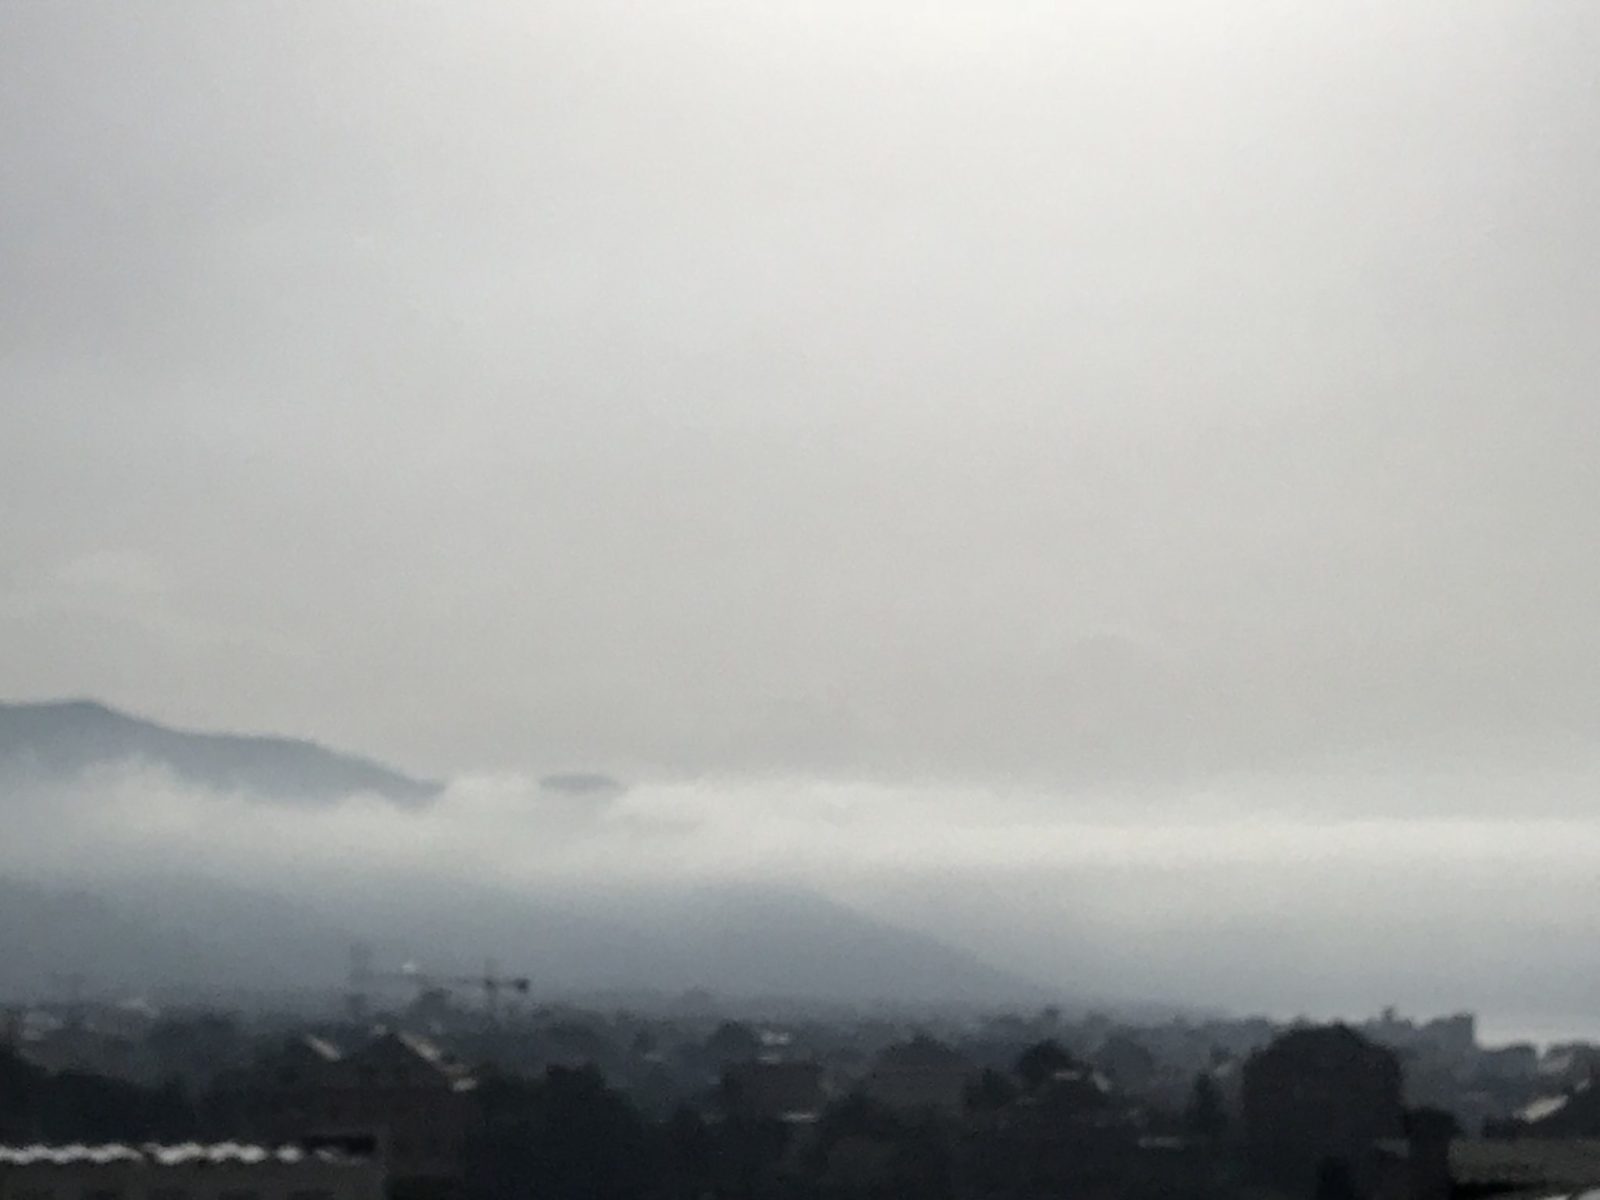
[134, 915]
[68, 737]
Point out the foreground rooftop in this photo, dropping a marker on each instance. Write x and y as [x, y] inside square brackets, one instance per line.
[176, 1155]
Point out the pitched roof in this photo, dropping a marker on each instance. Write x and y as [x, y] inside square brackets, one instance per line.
[182, 1154]
[392, 1045]
[921, 1053]
[1542, 1108]
[1526, 1162]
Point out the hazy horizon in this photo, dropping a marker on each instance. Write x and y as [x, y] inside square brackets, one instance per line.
[1109, 484]
[1243, 909]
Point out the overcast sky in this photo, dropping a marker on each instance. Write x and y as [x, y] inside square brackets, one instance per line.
[892, 389]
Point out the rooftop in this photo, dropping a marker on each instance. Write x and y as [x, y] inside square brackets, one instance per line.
[181, 1154]
[1571, 1163]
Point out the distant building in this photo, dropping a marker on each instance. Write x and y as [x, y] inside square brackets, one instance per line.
[1455, 1036]
[401, 1088]
[918, 1074]
[1511, 1063]
[80, 1048]
[1072, 1134]
[1574, 1113]
[1481, 1167]
[1316, 1104]
[225, 1171]
[773, 1090]
[1126, 1062]
[1571, 1064]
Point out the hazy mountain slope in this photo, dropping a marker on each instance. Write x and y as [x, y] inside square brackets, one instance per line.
[65, 738]
[785, 941]
[150, 935]
[749, 940]
[147, 933]
[47, 934]
[131, 907]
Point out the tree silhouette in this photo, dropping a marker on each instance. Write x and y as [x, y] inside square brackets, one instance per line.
[989, 1092]
[1042, 1062]
[1205, 1117]
[733, 1041]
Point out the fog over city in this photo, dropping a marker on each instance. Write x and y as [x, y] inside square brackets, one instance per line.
[1107, 487]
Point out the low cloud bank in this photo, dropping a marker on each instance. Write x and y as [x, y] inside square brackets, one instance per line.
[1234, 904]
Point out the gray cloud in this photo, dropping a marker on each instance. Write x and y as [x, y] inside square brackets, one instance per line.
[896, 391]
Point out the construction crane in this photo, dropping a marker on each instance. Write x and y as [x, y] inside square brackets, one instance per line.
[492, 984]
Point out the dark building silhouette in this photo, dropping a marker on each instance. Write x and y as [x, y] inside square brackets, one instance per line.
[1573, 1113]
[919, 1074]
[773, 1090]
[1317, 1103]
[398, 1087]
[1126, 1063]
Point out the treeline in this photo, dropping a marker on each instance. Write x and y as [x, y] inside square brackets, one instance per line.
[569, 1136]
[75, 1106]
[1044, 1128]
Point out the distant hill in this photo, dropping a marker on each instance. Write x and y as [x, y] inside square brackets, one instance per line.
[172, 933]
[142, 933]
[126, 915]
[747, 939]
[65, 738]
